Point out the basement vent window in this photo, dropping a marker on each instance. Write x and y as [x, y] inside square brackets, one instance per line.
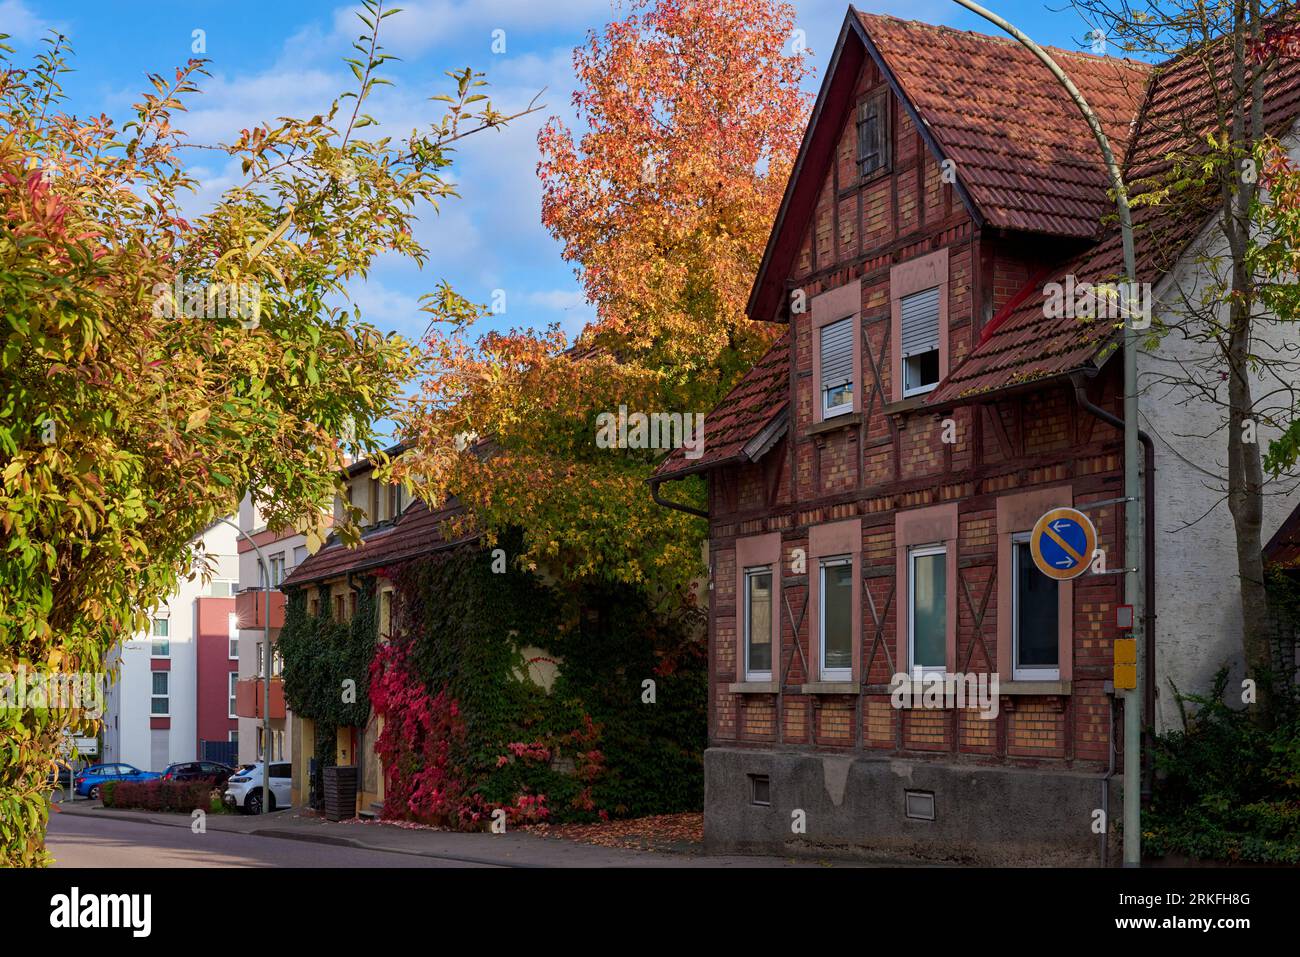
[760, 790]
[919, 805]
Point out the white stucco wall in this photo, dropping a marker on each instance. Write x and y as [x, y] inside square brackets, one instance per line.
[1198, 603]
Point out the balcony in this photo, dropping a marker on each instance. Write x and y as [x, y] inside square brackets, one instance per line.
[249, 696]
[250, 607]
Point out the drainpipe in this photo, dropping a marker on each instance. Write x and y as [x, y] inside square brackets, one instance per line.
[666, 503]
[1148, 564]
[1132, 544]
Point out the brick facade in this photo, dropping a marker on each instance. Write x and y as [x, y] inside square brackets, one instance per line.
[888, 459]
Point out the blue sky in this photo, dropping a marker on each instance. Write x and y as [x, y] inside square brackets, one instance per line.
[282, 57]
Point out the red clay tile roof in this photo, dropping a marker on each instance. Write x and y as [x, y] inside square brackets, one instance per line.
[758, 398]
[1030, 163]
[417, 531]
[1023, 345]
[1283, 549]
[1021, 147]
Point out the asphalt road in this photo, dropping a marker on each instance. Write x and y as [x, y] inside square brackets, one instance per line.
[80, 841]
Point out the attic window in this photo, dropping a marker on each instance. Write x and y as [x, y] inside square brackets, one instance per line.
[873, 133]
[920, 328]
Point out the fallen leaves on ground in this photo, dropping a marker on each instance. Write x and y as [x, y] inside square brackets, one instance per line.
[677, 833]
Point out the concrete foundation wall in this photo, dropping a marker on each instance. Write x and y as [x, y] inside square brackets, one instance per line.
[854, 807]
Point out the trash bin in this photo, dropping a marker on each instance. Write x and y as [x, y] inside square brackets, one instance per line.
[340, 793]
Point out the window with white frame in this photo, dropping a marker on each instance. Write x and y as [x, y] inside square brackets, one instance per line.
[277, 569]
[1035, 617]
[920, 341]
[927, 606]
[160, 702]
[836, 344]
[234, 680]
[835, 613]
[232, 633]
[160, 645]
[758, 623]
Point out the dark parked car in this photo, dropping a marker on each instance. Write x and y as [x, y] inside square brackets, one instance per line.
[213, 771]
[62, 779]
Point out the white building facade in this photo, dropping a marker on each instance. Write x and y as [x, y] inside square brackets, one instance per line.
[152, 709]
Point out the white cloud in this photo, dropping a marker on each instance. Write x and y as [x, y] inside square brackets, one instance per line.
[558, 299]
[19, 21]
[468, 25]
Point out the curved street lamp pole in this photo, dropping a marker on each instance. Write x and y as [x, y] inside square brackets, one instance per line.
[1132, 530]
[267, 658]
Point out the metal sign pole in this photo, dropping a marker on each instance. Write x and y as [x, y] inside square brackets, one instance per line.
[1132, 516]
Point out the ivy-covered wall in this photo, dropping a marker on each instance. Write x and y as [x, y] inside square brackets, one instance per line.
[467, 730]
[327, 664]
[620, 733]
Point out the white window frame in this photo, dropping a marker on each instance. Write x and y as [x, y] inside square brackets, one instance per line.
[831, 674]
[1018, 540]
[234, 680]
[155, 638]
[915, 671]
[166, 699]
[830, 411]
[277, 569]
[920, 389]
[751, 675]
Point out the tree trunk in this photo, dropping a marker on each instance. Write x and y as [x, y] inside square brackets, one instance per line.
[1246, 503]
[1245, 465]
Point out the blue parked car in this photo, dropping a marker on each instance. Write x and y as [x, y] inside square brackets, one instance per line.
[89, 780]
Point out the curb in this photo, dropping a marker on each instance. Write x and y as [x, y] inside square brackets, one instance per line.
[291, 834]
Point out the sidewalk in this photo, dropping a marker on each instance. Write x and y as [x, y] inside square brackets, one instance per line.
[502, 850]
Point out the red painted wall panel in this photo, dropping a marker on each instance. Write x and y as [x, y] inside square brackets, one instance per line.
[213, 668]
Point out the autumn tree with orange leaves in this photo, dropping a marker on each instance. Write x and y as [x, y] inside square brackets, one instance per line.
[692, 114]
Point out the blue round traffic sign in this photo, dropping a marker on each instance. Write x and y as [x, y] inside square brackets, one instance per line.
[1062, 543]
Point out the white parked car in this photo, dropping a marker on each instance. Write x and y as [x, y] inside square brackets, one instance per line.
[244, 789]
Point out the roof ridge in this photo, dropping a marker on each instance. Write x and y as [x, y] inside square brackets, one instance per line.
[993, 38]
